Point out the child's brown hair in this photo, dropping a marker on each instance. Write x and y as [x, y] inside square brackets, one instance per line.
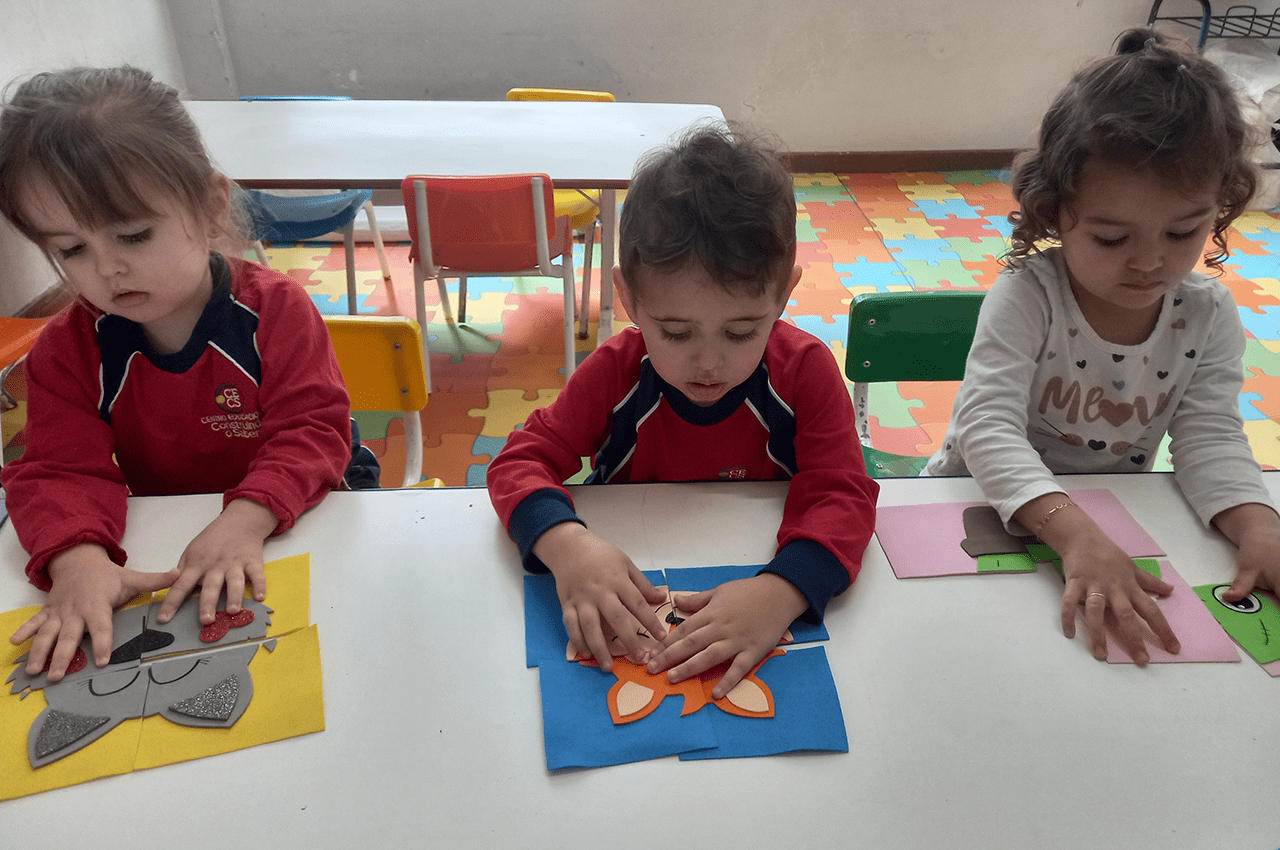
[1153, 104]
[100, 136]
[717, 199]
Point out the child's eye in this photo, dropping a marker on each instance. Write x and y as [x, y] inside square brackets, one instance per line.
[1180, 237]
[675, 337]
[136, 238]
[733, 337]
[68, 253]
[1110, 243]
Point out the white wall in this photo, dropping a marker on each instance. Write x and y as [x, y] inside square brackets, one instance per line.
[41, 36]
[826, 75]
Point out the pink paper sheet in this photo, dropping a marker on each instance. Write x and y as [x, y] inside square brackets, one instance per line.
[924, 540]
[1201, 637]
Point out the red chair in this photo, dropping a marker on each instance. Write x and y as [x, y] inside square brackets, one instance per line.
[490, 226]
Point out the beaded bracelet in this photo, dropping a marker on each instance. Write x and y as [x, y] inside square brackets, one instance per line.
[1044, 520]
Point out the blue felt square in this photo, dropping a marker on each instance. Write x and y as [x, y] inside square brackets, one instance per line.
[807, 713]
[579, 731]
[545, 637]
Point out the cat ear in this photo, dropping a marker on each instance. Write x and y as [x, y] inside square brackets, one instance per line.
[213, 692]
[55, 734]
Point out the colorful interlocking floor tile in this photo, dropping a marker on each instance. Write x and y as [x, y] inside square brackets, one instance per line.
[856, 233]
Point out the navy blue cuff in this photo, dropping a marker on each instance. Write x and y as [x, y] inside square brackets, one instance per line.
[814, 571]
[536, 513]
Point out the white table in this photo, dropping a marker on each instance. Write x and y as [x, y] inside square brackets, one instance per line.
[972, 722]
[374, 144]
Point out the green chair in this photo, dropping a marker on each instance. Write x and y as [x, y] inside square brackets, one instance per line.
[906, 336]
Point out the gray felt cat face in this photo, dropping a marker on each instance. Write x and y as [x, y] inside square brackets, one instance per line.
[191, 675]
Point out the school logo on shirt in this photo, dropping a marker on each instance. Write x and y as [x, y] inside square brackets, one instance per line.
[228, 398]
[734, 473]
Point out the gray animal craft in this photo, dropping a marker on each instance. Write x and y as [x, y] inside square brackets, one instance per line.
[190, 674]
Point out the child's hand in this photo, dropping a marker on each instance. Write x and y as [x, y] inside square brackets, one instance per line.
[1101, 576]
[226, 553]
[601, 594]
[740, 620]
[87, 587]
[1255, 529]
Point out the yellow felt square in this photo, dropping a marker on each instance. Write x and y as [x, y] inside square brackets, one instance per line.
[111, 754]
[288, 700]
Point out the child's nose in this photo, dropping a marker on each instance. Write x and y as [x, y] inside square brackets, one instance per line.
[110, 263]
[1146, 257]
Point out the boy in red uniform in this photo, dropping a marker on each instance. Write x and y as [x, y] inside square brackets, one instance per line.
[710, 385]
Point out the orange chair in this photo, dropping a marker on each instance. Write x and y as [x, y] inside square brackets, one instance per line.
[17, 335]
[581, 206]
[486, 226]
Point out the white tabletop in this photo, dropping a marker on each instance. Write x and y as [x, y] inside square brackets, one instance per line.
[972, 722]
[374, 144]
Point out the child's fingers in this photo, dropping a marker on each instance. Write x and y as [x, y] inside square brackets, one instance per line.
[1151, 584]
[29, 628]
[740, 667]
[1155, 620]
[584, 632]
[178, 592]
[1095, 608]
[210, 592]
[1246, 580]
[235, 591]
[1070, 604]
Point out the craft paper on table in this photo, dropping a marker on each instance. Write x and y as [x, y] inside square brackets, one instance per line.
[171, 692]
[1253, 622]
[928, 540]
[592, 718]
[1199, 634]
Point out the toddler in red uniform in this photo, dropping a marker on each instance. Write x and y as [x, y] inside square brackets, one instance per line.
[710, 384]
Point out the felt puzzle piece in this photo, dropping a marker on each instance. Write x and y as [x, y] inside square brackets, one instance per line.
[1200, 637]
[1253, 622]
[924, 540]
[986, 539]
[638, 693]
[93, 722]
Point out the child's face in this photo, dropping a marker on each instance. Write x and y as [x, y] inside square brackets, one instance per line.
[153, 271]
[702, 339]
[1128, 239]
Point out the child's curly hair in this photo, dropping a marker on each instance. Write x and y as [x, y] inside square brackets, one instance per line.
[1154, 104]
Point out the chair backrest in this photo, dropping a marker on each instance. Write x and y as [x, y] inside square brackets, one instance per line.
[489, 223]
[559, 94]
[381, 361]
[923, 335]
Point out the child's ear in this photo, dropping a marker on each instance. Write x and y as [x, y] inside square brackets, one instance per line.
[217, 202]
[624, 293]
[785, 295]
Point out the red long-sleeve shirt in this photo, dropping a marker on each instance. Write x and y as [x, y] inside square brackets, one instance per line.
[253, 407]
[791, 419]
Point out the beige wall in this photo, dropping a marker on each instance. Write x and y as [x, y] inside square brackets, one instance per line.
[827, 75]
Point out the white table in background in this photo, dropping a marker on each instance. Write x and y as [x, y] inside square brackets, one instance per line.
[972, 722]
[374, 144]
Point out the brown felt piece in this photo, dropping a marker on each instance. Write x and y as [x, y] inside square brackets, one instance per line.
[985, 533]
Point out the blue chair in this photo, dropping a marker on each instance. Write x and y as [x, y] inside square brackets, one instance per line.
[293, 218]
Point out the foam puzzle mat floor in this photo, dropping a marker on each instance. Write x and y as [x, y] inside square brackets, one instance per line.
[856, 233]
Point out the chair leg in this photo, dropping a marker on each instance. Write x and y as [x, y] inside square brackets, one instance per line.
[462, 299]
[261, 252]
[377, 241]
[413, 448]
[587, 250]
[349, 248]
[570, 296]
[420, 307]
[444, 302]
